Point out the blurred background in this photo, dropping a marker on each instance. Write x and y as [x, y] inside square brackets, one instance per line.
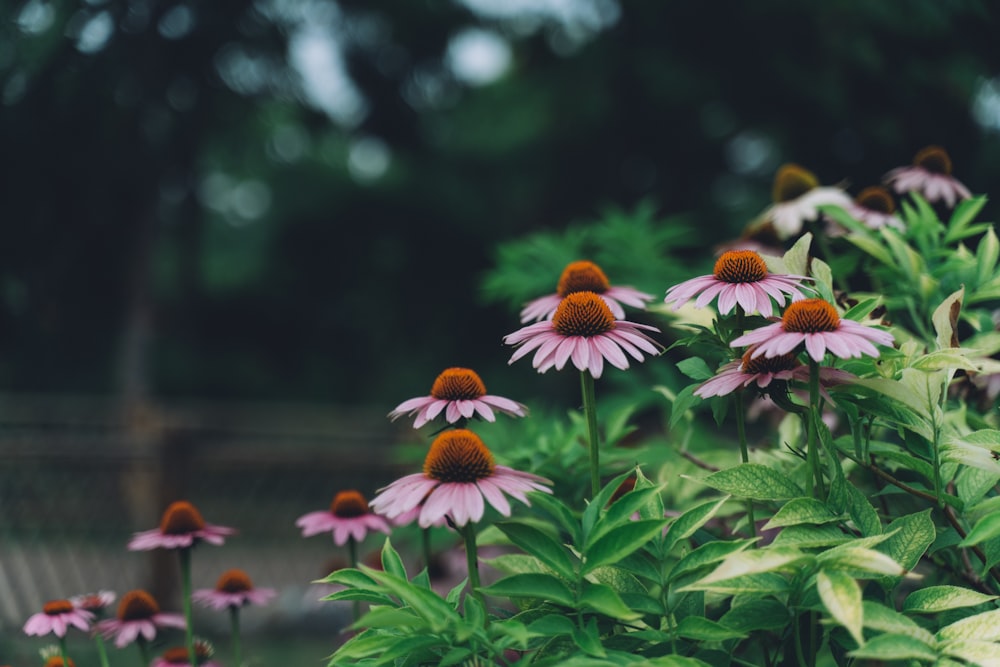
[236, 234]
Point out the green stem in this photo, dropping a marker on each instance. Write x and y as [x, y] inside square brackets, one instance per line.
[185, 558]
[234, 624]
[472, 560]
[144, 651]
[812, 453]
[741, 429]
[102, 652]
[425, 539]
[62, 651]
[590, 409]
[352, 550]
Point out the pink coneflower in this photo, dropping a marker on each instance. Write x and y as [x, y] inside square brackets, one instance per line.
[233, 589]
[816, 323]
[94, 602]
[874, 208]
[585, 330]
[138, 616]
[459, 472]
[797, 197]
[348, 517]
[585, 276]
[178, 656]
[56, 617]
[180, 527]
[929, 175]
[740, 277]
[460, 394]
[762, 371]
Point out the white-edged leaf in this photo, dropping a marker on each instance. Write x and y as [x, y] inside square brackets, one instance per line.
[841, 596]
[933, 599]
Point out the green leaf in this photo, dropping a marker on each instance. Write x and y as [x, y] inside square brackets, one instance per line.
[757, 615]
[933, 599]
[872, 246]
[807, 537]
[755, 561]
[801, 510]
[796, 258]
[604, 600]
[766, 583]
[654, 508]
[684, 401]
[429, 605]
[973, 484]
[620, 512]
[598, 504]
[894, 647]
[407, 646]
[846, 498]
[390, 617]
[889, 621]
[707, 554]
[454, 656]
[962, 216]
[913, 534]
[754, 481]
[589, 639]
[552, 625]
[563, 515]
[540, 545]
[690, 521]
[702, 629]
[539, 586]
[695, 368]
[987, 528]
[985, 626]
[945, 320]
[861, 560]
[841, 596]
[391, 562]
[620, 542]
[973, 651]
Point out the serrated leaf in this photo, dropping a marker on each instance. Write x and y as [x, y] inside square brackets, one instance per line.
[801, 510]
[841, 596]
[933, 599]
[539, 586]
[690, 521]
[894, 647]
[985, 626]
[753, 481]
[541, 546]
[620, 542]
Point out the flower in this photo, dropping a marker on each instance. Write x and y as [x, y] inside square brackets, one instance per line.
[138, 614]
[233, 589]
[348, 517]
[94, 602]
[178, 656]
[929, 175]
[459, 472]
[180, 527]
[816, 323]
[739, 277]
[56, 617]
[585, 330]
[762, 371]
[873, 207]
[57, 661]
[584, 276]
[460, 394]
[797, 197]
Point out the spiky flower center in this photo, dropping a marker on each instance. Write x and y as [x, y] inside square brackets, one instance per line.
[810, 316]
[57, 661]
[181, 518]
[583, 314]
[762, 364]
[349, 504]
[876, 198]
[234, 581]
[137, 605]
[934, 159]
[740, 266]
[582, 276]
[791, 182]
[458, 384]
[56, 607]
[458, 455]
[178, 655]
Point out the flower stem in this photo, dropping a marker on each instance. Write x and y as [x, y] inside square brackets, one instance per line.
[812, 454]
[472, 560]
[741, 430]
[102, 652]
[425, 543]
[185, 558]
[234, 624]
[62, 651]
[352, 550]
[590, 409]
[143, 651]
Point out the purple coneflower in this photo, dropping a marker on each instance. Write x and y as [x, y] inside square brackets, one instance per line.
[178, 656]
[740, 277]
[929, 175]
[762, 371]
[874, 208]
[460, 394]
[459, 473]
[56, 617]
[94, 602]
[797, 197]
[348, 517]
[181, 526]
[816, 323]
[585, 276]
[585, 330]
[233, 589]
[138, 616]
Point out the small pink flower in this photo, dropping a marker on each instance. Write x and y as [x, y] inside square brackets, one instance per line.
[460, 394]
[94, 602]
[233, 589]
[180, 527]
[740, 278]
[178, 656]
[874, 208]
[56, 617]
[459, 474]
[815, 323]
[585, 276]
[762, 371]
[585, 330]
[138, 616]
[929, 175]
[348, 517]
